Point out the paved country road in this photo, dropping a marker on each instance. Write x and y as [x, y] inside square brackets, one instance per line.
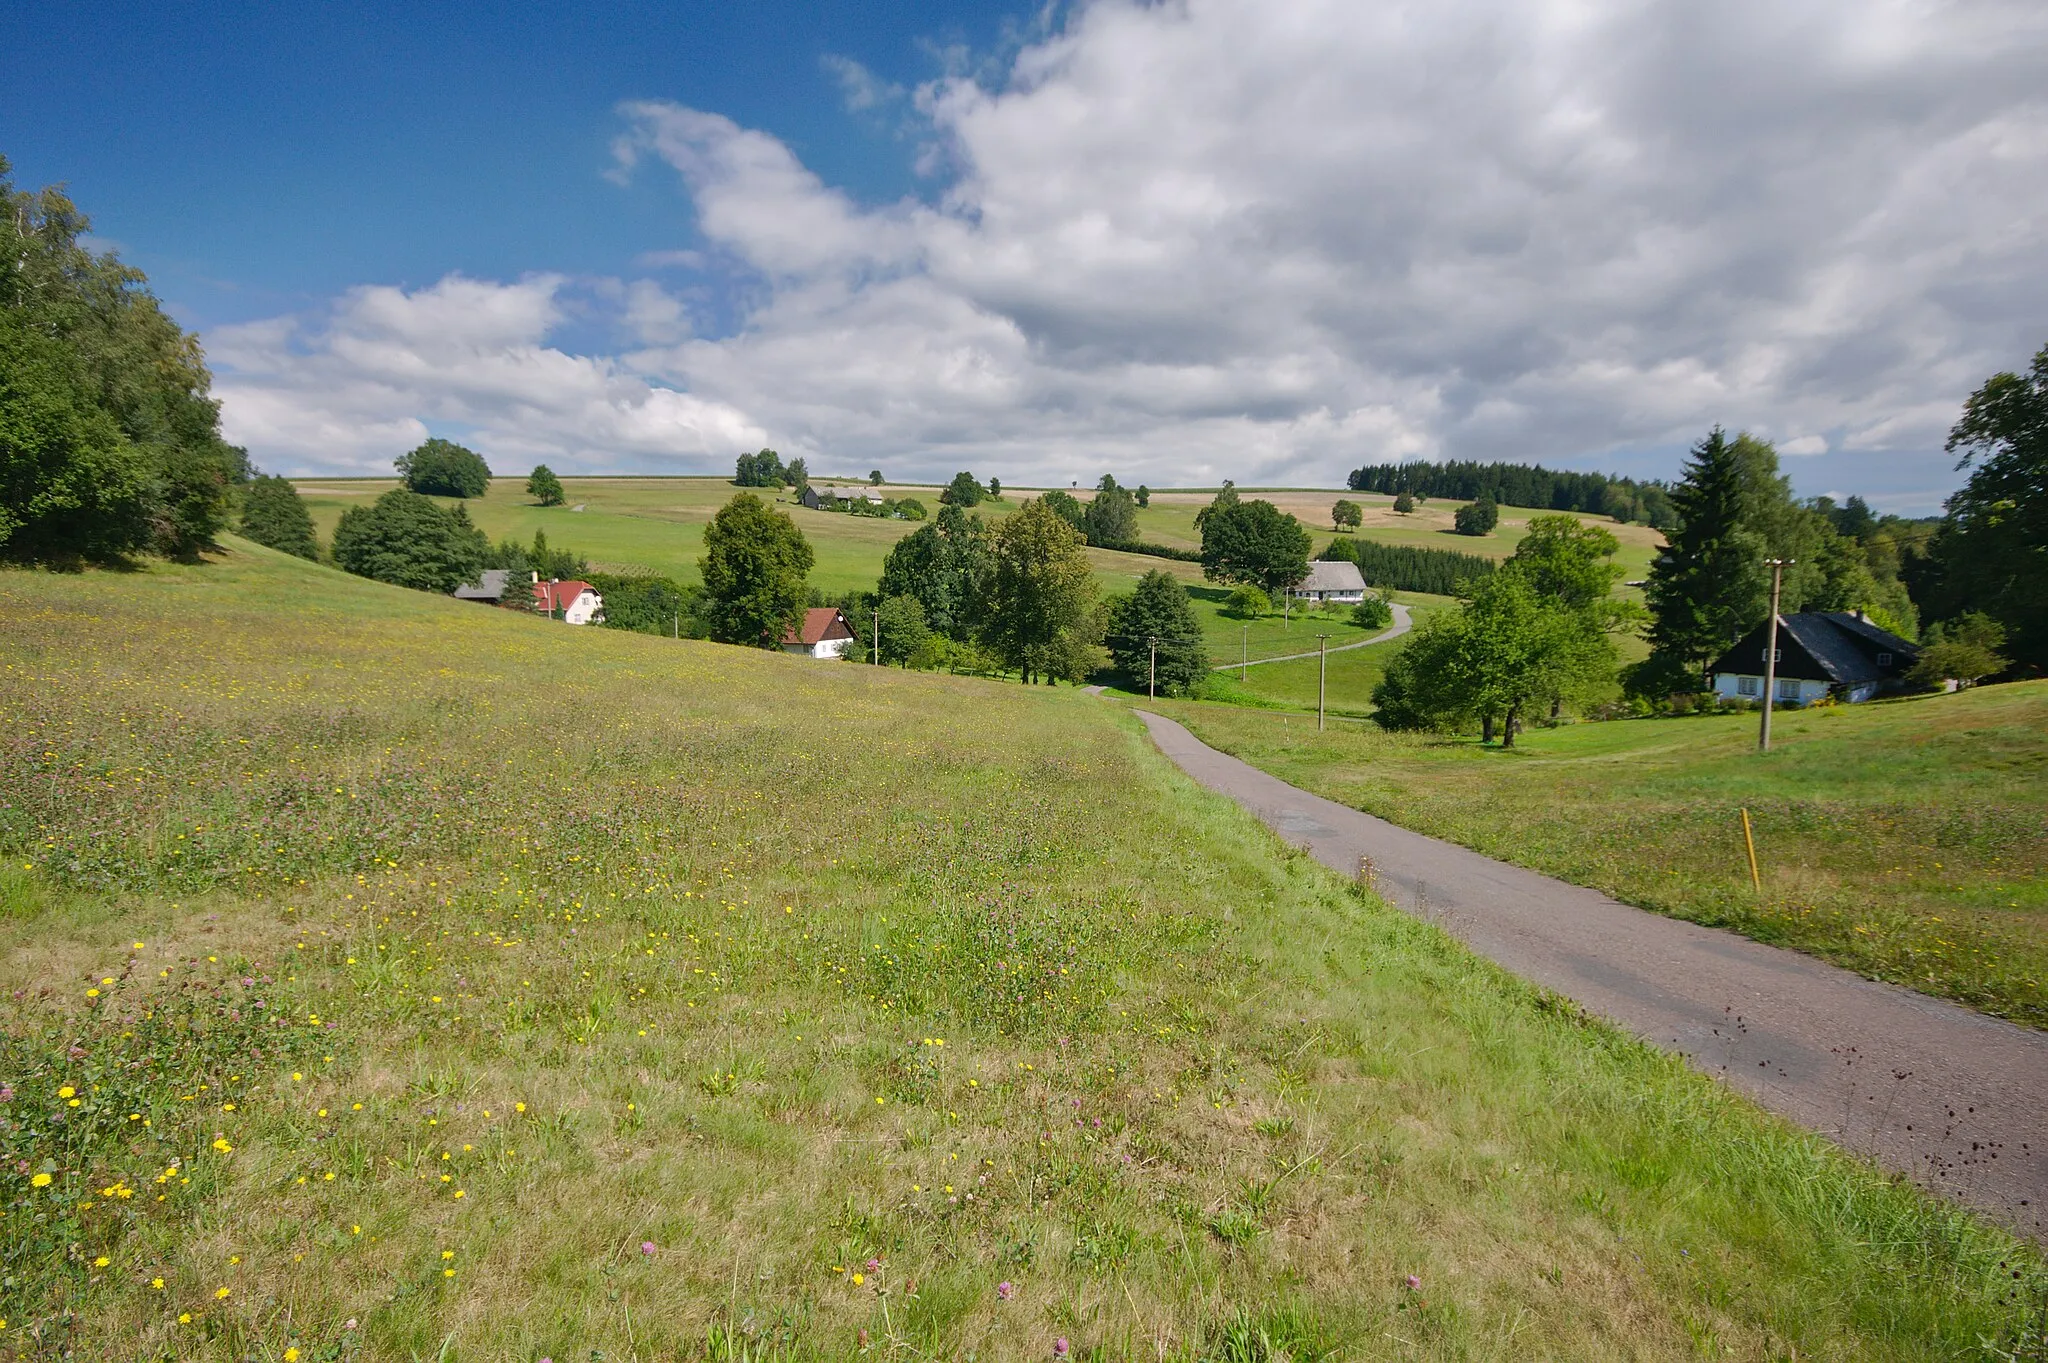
[1402, 623]
[1952, 1099]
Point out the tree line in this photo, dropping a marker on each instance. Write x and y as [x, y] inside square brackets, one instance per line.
[1411, 568]
[1530, 485]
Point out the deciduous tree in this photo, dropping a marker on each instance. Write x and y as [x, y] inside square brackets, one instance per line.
[964, 490]
[442, 468]
[1042, 619]
[274, 514]
[410, 540]
[1255, 543]
[754, 565]
[1346, 514]
[544, 487]
[1112, 517]
[109, 438]
[944, 566]
[1992, 548]
[1477, 517]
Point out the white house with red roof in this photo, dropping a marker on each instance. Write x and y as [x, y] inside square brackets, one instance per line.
[823, 634]
[570, 600]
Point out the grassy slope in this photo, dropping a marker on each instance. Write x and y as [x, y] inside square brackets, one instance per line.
[657, 525]
[1902, 839]
[576, 940]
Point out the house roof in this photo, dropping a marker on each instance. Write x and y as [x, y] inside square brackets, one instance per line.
[564, 593]
[1332, 575]
[1831, 646]
[820, 623]
[489, 587]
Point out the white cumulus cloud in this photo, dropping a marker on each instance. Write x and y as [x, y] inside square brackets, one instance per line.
[1273, 239]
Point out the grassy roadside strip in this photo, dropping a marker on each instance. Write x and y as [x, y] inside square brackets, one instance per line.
[647, 996]
[1903, 840]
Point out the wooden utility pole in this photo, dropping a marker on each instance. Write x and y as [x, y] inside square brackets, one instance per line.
[1244, 654]
[1778, 565]
[878, 636]
[1322, 676]
[1152, 671]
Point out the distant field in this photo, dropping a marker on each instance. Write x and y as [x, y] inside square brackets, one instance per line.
[383, 978]
[656, 525]
[1907, 840]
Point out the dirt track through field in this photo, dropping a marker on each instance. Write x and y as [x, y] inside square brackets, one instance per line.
[1952, 1099]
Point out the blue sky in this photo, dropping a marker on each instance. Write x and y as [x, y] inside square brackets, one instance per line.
[1261, 239]
[254, 158]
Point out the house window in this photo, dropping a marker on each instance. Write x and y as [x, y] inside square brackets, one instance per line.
[1788, 688]
[1884, 660]
[1746, 686]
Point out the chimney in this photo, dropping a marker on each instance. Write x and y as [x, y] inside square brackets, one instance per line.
[536, 578]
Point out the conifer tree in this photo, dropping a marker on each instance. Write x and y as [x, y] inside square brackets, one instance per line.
[1704, 583]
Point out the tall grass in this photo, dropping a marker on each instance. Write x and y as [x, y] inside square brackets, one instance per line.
[1904, 840]
[434, 983]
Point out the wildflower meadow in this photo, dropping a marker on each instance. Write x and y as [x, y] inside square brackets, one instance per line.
[387, 977]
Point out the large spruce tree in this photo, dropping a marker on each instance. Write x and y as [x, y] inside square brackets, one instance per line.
[1704, 584]
[1157, 615]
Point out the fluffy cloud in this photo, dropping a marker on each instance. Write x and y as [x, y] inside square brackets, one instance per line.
[1274, 240]
[355, 386]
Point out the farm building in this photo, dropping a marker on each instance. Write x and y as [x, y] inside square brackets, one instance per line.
[489, 588]
[1335, 580]
[1820, 653]
[569, 600]
[824, 634]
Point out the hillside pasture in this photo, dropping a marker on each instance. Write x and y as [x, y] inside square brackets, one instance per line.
[383, 977]
[1907, 839]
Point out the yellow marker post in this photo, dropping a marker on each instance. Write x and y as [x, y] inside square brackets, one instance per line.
[1755, 881]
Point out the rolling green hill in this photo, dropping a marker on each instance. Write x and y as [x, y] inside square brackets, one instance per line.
[387, 978]
[656, 525]
[1903, 839]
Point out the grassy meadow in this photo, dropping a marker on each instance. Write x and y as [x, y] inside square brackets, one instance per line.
[1902, 839]
[390, 978]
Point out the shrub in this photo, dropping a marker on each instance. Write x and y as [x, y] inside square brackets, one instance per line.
[1246, 603]
[1372, 613]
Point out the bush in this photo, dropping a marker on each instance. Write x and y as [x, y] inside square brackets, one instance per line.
[273, 514]
[1373, 613]
[1403, 504]
[1246, 603]
[441, 468]
[409, 540]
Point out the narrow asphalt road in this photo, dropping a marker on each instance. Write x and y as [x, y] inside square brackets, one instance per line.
[1952, 1099]
[1402, 624]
